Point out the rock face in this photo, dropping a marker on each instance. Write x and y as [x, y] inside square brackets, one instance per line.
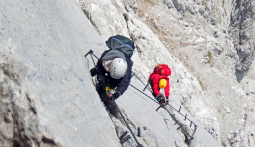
[242, 31]
[47, 97]
[210, 82]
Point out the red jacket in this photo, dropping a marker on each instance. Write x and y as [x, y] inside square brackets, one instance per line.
[155, 78]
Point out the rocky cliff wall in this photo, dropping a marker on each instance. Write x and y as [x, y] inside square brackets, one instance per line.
[48, 99]
[45, 96]
[214, 65]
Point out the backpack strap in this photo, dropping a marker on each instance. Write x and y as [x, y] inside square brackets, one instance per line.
[123, 43]
[158, 69]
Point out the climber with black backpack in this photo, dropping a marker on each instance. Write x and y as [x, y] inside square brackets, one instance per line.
[114, 69]
[159, 80]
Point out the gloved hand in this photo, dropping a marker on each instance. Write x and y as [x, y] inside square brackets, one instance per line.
[116, 95]
[167, 100]
[93, 72]
[159, 97]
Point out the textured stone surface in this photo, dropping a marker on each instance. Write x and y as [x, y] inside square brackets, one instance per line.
[207, 71]
[47, 97]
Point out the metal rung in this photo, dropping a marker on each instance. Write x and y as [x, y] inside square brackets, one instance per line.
[125, 139]
[190, 123]
[139, 132]
[180, 109]
[123, 135]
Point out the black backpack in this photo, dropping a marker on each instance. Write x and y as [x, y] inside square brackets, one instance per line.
[121, 42]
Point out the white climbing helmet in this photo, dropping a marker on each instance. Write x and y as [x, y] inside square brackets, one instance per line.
[118, 68]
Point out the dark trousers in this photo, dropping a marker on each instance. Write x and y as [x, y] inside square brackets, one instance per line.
[152, 89]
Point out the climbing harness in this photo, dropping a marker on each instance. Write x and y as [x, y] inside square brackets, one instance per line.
[108, 90]
[123, 138]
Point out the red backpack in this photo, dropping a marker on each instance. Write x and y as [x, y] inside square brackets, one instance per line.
[163, 70]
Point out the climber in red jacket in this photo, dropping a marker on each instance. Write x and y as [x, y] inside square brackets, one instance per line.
[158, 79]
